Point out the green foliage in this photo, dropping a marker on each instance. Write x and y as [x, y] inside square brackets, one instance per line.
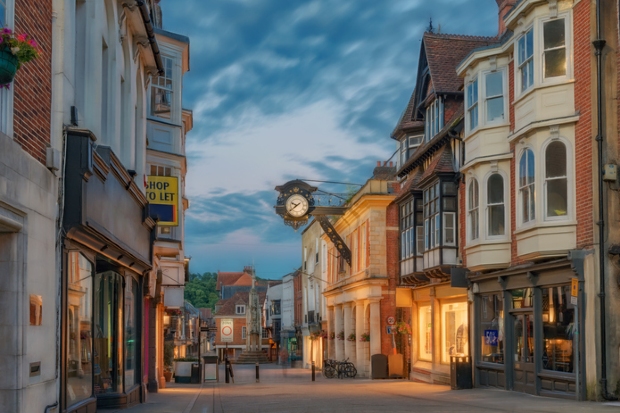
[168, 354]
[200, 290]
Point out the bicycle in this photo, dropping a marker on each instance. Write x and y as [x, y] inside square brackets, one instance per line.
[346, 369]
[329, 368]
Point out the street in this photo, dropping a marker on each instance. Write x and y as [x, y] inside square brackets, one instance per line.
[291, 390]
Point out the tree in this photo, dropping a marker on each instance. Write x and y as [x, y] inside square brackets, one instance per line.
[200, 290]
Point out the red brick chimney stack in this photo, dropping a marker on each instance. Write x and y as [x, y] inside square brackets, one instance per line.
[504, 7]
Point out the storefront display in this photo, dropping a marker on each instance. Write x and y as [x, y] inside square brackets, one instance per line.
[79, 329]
[491, 322]
[558, 329]
[454, 332]
[131, 331]
[425, 336]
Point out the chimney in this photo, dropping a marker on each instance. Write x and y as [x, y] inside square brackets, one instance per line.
[504, 7]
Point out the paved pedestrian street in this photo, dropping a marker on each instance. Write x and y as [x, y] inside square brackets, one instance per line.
[292, 390]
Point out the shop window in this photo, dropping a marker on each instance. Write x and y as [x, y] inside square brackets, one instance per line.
[79, 348]
[491, 322]
[527, 195]
[425, 335]
[108, 333]
[556, 182]
[558, 318]
[131, 331]
[495, 205]
[523, 298]
[454, 332]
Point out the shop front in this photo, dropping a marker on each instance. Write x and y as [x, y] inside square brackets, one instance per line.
[105, 256]
[439, 330]
[525, 325]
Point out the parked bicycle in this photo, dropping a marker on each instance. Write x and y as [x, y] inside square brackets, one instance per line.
[341, 369]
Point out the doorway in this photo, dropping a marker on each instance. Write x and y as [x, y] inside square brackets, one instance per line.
[523, 346]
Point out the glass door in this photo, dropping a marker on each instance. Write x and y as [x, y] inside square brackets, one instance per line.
[523, 345]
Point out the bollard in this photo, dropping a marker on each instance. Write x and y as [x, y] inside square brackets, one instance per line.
[313, 374]
[257, 374]
[226, 362]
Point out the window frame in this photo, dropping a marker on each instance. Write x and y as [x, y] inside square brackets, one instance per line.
[487, 205]
[240, 309]
[520, 188]
[528, 63]
[474, 105]
[568, 177]
[171, 90]
[484, 94]
[567, 47]
[473, 229]
[431, 224]
[434, 119]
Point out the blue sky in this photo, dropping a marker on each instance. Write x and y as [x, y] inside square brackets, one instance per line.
[282, 90]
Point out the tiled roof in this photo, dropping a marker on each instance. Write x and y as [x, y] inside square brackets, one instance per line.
[410, 185]
[442, 162]
[229, 307]
[444, 52]
[406, 122]
[227, 278]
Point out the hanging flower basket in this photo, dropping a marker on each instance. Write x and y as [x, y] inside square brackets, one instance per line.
[340, 335]
[8, 66]
[365, 337]
[15, 50]
[351, 337]
[332, 335]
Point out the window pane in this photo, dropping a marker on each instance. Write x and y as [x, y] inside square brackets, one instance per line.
[448, 228]
[491, 319]
[495, 189]
[496, 220]
[554, 34]
[495, 109]
[558, 329]
[425, 333]
[525, 206]
[420, 240]
[473, 117]
[449, 204]
[555, 62]
[131, 331]
[449, 188]
[529, 39]
[555, 160]
[557, 197]
[494, 84]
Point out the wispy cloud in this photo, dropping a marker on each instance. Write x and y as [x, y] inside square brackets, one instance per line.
[284, 90]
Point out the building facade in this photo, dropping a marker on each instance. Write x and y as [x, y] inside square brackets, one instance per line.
[29, 251]
[538, 248]
[360, 298]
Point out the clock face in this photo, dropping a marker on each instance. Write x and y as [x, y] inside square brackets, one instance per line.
[297, 205]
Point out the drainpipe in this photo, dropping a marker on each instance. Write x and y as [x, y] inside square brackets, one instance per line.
[144, 11]
[599, 44]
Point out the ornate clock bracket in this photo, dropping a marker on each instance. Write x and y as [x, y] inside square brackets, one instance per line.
[330, 231]
[320, 213]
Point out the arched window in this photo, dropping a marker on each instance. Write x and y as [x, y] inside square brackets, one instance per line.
[556, 185]
[495, 205]
[472, 208]
[526, 186]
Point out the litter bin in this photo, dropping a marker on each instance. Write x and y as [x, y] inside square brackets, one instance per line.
[460, 372]
[210, 368]
[195, 378]
[379, 366]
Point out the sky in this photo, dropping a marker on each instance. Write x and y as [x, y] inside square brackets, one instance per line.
[282, 90]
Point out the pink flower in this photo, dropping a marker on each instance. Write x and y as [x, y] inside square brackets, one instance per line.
[5, 86]
[6, 30]
[33, 43]
[22, 37]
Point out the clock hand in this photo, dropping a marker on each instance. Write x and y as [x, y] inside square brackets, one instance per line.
[295, 205]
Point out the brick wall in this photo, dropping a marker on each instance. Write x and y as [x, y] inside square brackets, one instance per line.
[583, 129]
[33, 83]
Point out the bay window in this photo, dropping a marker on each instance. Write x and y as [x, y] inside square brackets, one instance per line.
[527, 196]
[472, 104]
[526, 59]
[162, 91]
[431, 216]
[554, 48]
[473, 202]
[556, 183]
[495, 205]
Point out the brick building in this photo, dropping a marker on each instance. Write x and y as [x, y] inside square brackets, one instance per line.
[530, 214]
[28, 197]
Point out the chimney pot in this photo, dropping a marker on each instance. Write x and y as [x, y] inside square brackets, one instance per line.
[378, 163]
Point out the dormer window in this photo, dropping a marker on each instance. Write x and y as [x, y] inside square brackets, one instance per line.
[408, 146]
[240, 309]
[434, 119]
[162, 91]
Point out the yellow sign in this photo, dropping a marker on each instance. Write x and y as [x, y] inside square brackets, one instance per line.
[574, 287]
[162, 193]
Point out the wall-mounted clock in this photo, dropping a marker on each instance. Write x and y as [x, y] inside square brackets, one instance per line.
[297, 205]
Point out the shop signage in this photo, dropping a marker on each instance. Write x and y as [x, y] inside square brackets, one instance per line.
[226, 330]
[574, 290]
[162, 193]
[490, 337]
